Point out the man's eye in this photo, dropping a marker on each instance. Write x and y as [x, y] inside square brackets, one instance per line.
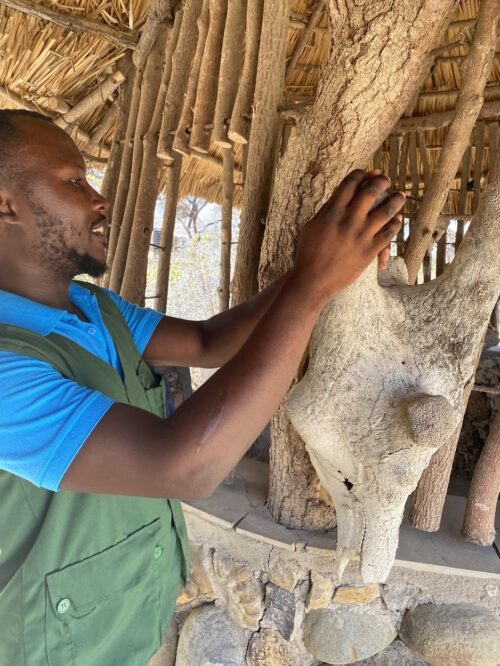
[77, 181]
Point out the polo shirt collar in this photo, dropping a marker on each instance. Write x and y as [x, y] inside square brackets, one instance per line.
[42, 319]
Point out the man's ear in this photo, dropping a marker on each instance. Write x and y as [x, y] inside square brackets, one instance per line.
[7, 213]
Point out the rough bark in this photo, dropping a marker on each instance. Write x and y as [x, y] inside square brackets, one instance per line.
[239, 127]
[158, 13]
[181, 138]
[148, 94]
[352, 114]
[262, 148]
[73, 22]
[226, 228]
[479, 520]
[167, 233]
[125, 168]
[232, 49]
[206, 94]
[134, 277]
[475, 71]
[105, 123]
[180, 70]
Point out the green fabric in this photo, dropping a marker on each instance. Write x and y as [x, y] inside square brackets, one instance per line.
[87, 579]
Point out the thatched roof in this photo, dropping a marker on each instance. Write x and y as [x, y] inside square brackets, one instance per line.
[48, 67]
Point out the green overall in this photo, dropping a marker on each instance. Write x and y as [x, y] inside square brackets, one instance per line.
[87, 579]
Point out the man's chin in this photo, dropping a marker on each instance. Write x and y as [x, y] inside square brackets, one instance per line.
[89, 265]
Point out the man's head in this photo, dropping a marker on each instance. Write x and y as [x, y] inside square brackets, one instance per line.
[49, 214]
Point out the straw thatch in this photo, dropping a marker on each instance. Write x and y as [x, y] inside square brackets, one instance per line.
[48, 67]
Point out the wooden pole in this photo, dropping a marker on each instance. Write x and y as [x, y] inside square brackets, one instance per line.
[453, 93]
[125, 170]
[479, 519]
[317, 10]
[180, 70]
[158, 13]
[206, 94]
[441, 254]
[424, 156]
[478, 164]
[475, 69]
[263, 144]
[232, 50]
[134, 277]
[148, 94]
[95, 98]
[103, 126]
[403, 161]
[181, 138]
[226, 228]
[239, 126]
[489, 111]
[72, 22]
[167, 232]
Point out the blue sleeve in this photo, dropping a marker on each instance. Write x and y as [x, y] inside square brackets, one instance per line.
[44, 419]
[141, 321]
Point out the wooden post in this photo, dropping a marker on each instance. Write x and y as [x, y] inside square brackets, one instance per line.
[123, 176]
[232, 48]
[415, 175]
[403, 162]
[181, 138]
[103, 126]
[479, 520]
[475, 71]
[134, 276]
[148, 94]
[424, 156]
[441, 253]
[239, 126]
[226, 228]
[180, 70]
[206, 94]
[167, 232]
[263, 144]
[478, 164]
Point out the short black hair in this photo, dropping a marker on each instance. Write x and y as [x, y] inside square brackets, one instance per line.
[11, 138]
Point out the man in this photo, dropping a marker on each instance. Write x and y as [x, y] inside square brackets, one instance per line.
[92, 553]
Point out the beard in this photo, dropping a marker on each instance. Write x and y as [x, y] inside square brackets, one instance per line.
[65, 261]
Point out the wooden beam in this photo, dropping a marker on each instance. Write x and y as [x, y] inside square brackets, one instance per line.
[489, 111]
[444, 94]
[306, 33]
[73, 22]
[215, 161]
[299, 22]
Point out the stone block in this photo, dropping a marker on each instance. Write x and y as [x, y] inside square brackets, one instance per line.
[280, 610]
[268, 647]
[396, 654]
[345, 634]
[199, 588]
[166, 654]
[453, 634]
[356, 595]
[321, 591]
[209, 638]
[285, 573]
[238, 591]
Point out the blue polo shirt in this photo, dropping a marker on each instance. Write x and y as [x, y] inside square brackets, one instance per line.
[44, 417]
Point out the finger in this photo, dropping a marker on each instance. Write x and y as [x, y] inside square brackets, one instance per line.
[385, 212]
[346, 190]
[368, 193]
[383, 258]
[388, 232]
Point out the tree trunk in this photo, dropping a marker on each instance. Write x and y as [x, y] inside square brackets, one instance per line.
[262, 148]
[353, 113]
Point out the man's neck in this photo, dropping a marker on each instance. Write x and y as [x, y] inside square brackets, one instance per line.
[37, 286]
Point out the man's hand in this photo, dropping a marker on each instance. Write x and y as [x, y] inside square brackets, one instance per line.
[348, 233]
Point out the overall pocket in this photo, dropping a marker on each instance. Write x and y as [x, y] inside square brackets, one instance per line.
[106, 609]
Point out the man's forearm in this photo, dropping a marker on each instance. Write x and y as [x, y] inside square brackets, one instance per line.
[225, 333]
